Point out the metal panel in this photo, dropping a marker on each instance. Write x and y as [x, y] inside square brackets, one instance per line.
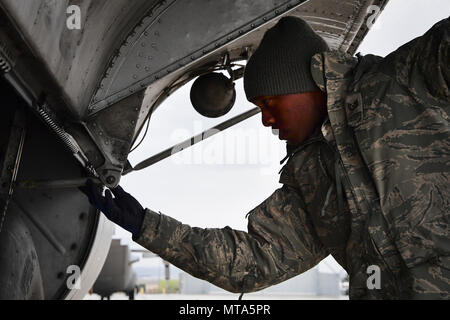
[176, 33]
[76, 58]
[113, 129]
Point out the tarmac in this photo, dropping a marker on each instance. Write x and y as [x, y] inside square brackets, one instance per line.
[249, 296]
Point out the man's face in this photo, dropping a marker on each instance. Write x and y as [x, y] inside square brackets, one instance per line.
[296, 116]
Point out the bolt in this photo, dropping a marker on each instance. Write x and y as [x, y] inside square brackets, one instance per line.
[110, 179]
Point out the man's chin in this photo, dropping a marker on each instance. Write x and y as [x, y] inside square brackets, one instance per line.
[282, 136]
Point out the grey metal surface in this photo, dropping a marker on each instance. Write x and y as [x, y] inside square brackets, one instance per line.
[60, 221]
[20, 273]
[76, 58]
[113, 130]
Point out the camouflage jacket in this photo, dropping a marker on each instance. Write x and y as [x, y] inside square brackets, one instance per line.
[371, 187]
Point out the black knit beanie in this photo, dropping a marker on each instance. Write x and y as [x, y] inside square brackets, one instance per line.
[282, 63]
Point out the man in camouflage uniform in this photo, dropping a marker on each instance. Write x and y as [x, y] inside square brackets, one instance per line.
[370, 185]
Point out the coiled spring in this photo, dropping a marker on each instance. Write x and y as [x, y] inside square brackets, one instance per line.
[59, 131]
[4, 65]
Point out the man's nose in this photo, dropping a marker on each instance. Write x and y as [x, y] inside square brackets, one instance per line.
[267, 119]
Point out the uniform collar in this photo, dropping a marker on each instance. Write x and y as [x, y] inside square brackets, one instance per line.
[292, 149]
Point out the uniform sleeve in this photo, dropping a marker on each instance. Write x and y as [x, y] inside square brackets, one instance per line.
[422, 65]
[280, 243]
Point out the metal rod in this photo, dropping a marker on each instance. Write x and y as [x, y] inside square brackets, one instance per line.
[194, 140]
[54, 184]
[14, 145]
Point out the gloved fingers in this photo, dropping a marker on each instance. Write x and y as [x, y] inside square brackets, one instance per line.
[93, 193]
[119, 192]
[123, 198]
[125, 201]
[90, 183]
[88, 192]
[84, 189]
[113, 208]
[109, 200]
[108, 204]
[120, 200]
[96, 192]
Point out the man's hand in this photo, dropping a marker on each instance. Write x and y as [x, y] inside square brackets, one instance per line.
[123, 210]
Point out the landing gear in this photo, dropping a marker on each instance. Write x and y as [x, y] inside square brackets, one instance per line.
[20, 273]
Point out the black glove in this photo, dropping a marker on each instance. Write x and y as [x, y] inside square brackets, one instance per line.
[123, 210]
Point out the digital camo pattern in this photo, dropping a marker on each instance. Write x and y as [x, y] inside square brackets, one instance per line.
[387, 142]
[389, 120]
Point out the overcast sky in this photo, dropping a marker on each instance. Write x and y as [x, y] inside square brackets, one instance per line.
[215, 183]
